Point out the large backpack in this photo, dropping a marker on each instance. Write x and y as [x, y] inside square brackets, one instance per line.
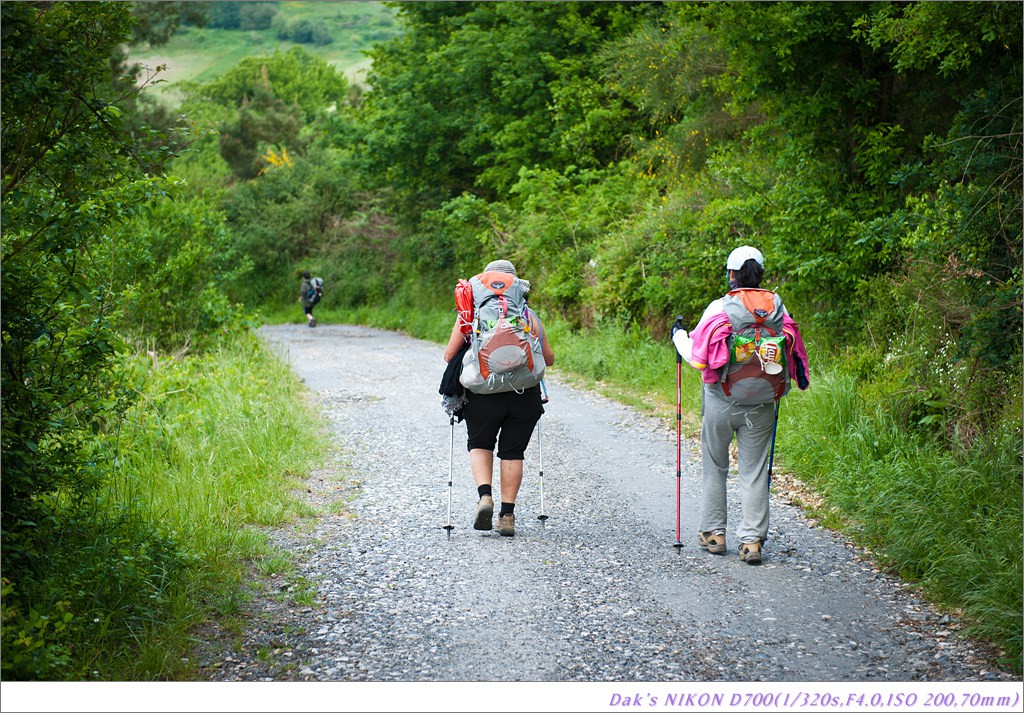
[757, 372]
[505, 344]
[316, 290]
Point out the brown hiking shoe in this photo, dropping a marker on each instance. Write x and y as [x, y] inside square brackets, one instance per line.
[507, 525]
[750, 552]
[713, 542]
[484, 513]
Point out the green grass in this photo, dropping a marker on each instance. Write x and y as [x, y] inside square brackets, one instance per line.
[203, 54]
[948, 521]
[627, 365]
[218, 447]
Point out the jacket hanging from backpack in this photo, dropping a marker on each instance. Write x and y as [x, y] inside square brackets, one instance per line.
[709, 348]
[505, 351]
[453, 393]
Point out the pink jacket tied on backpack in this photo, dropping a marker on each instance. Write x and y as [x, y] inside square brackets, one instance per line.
[708, 351]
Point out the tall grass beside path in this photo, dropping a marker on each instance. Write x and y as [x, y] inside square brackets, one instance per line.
[223, 437]
[217, 445]
[950, 522]
[209, 448]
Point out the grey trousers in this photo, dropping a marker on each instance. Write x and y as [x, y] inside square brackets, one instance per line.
[752, 426]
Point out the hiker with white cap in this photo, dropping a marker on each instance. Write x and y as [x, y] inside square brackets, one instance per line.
[748, 350]
[503, 349]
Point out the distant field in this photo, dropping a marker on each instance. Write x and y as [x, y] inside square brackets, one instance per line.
[202, 54]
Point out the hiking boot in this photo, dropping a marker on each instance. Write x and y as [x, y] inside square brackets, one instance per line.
[713, 542]
[750, 552]
[507, 525]
[312, 322]
[484, 512]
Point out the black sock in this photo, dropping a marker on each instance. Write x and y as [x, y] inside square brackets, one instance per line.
[483, 490]
[507, 509]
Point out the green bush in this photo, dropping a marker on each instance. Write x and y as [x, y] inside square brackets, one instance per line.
[213, 445]
[110, 577]
[170, 271]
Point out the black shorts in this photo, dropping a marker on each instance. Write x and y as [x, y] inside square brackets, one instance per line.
[505, 419]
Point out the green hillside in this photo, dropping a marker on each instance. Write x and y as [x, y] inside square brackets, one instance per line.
[204, 53]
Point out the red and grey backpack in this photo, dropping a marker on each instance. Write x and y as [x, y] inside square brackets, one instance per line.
[757, 372]
[505, 342]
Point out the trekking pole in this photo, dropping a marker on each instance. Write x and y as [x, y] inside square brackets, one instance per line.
[540, 448]
[679, 419]
[771, 455]
[451, 456]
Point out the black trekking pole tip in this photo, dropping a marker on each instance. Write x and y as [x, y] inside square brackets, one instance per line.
[542, 518]
[448, 529]
[678, 546]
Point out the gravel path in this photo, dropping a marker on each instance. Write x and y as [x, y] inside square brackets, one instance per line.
[597, 592]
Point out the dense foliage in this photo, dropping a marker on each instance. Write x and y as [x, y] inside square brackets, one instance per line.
[620, 150]
[97, 255]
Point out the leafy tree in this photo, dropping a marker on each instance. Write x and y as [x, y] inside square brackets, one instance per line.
[264, 121]
[156, 22]
[227, 15]
[80, 190]
[155, 130]
[295, 78]
[285, 215]
[270, 101]
[175, 263]
[257, 15]
[662, 69]
[65, 177]
[303, 214]
[71, 175]
[304, 30]
[959, 230]
[472, 92]
[877, 164]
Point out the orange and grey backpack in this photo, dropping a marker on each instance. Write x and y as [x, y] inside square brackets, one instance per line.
[505, 342]
[757, 372]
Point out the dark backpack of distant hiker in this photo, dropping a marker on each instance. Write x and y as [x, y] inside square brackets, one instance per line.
[316, 290]
[757, 372]
[504, 342]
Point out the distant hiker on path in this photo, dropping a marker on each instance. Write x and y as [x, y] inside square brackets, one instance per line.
[748, 350]
[310, 292]
[504, 349]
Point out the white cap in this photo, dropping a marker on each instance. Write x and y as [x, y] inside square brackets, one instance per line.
[740, 255]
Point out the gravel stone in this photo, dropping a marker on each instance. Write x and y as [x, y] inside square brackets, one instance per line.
[596, 592]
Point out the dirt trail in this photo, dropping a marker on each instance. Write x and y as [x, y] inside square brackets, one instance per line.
[596, 593]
